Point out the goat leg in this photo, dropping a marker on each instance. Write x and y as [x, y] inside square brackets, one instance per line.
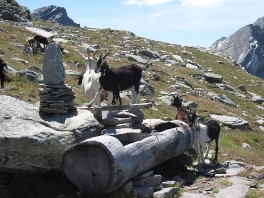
[98, 94]
[208, 147]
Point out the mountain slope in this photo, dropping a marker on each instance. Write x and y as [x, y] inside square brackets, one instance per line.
[54, 14]
[246, 47]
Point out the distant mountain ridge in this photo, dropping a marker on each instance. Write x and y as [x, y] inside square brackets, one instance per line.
[246, 46]
[55, 14]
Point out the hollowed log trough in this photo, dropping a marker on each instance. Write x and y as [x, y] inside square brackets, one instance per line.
[101, 164]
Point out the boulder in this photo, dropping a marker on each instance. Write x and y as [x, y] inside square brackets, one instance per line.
[31, 141]
[211, 77]
[231, 121]
[135, 58]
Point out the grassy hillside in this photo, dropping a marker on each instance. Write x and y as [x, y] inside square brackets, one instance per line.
[230, 139]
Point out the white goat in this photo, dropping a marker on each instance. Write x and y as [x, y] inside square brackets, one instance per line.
[205, 133]
[89, 80]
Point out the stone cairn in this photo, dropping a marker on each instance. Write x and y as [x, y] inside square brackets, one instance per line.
[54, 95]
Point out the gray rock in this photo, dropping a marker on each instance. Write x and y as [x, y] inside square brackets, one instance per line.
[166, 184]
[226, 87]
[242, 88]
[135, 58]
[127, 187]
[231, 121]
[148, 53]
[245, 146]
[166, 99]
[178, 58]
[145, 91]
[152, 181]
[234, 191]
[192, 66]
[142, 192]
[32, 141]
[165, 193]
[30, 75]
[53, 70]
[72, 72]
[211, 77]
[257, 99]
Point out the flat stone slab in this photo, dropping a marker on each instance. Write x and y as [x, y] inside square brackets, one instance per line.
[234, 191]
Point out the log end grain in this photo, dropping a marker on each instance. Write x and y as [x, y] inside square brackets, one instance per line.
[88, 167]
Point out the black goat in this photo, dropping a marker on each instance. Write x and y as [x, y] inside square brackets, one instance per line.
[2, 75]
[41, 39]
[118, 79]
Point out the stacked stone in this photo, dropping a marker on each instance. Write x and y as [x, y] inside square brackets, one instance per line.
[55, 96]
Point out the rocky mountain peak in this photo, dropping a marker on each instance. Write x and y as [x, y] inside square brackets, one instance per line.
[55, 14]
[246, 46]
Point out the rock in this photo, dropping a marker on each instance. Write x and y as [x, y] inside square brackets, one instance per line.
[31, 141]
[166, 184]
[135, 58]
[142, 192]
[12, 11]
[245, 146]
[166, 99]
[178, 58]
[56, 98]
[111, 118]
[148, 53]
[257, 99]
[54, 14]
[127, 187]
[145, 91]
[211, 77]
[166, 192]
[242, 88]
[29, 75]
[152, 181]
[72, 72]
[234, 191]
[53, 70]
[233, 122]
[21, 60]
[191, 66]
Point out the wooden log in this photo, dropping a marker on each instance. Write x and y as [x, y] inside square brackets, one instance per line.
[101, 164]
[121, 107]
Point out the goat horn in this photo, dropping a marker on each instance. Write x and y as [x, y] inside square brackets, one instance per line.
[106, 55]
[95, 52]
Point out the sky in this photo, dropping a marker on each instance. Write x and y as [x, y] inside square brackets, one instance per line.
[182, 22]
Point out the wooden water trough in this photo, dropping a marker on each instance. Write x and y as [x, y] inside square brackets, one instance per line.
[102, 164]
